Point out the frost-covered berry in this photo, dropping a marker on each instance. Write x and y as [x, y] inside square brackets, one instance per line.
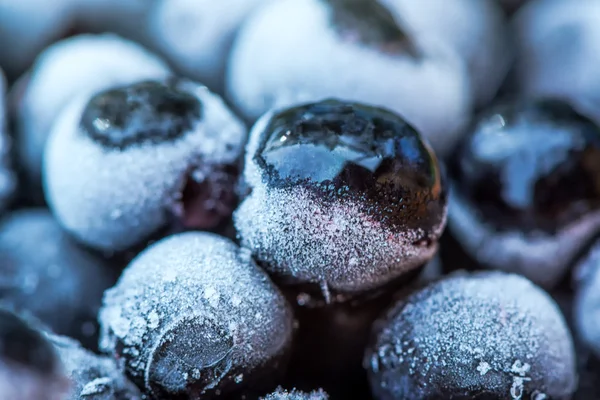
[489, 335]
[193, 316]
[29, 366]
[91, 376]
[45, 273]
[83, 64]
[293, 51]
[26, 27]
[8, 179]
[476, 29]
[195, 36]
[343, 195]
[587, 299]
[131, 160]
[525, 195]
[558, 47]
[281, 394]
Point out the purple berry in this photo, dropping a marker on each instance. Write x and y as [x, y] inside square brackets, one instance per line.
[136, 159]
[489, 335]
[193, 317]
[343, 195]
[525, 197]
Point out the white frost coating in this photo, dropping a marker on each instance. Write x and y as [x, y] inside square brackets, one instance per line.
[541, 257]
[558, 49]
[587, 299]
[476, 29]
[8, 178]
[281, 394]
[170, 278]
[83, 64]
[91, 376]
[287, 53]
[487, 331]
[293, 233]
[195, 36]
[112, 199]
[27, 26]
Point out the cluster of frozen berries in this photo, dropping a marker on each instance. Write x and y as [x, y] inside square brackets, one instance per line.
[248, 199]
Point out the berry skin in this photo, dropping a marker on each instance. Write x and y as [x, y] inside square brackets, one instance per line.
[488, 335]
[343, 195]
[525, 197]
[136, 159]
[43, 272]
[281, 394]
[29, 366]
[557, 42]
[476, 29]
[213, 25]
[193, 317]
[294, 51]
[587, 299]
[92, 376]
[8, 178]
[71, 67]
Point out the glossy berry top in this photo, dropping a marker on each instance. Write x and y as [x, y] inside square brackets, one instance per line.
[369, 22]
[24, 346]
[349, 151]
[531, 165]
[149, 111]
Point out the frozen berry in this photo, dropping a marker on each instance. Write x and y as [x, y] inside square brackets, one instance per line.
[587, 299]
[8, 179]
[293, 51]
[26, 27]
[476, 29]
[193, 317]
[75, 66]
[29, 366]
[91, 376]
[558, 43]
[526, 195]
[281, 394]
[134, 159]
[45, 273]
[343, 195]
[489, 335]
[212, 25]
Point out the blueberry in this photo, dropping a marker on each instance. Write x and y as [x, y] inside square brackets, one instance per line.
[29, 366]
[281, 394]
[193, 317]
[293, 51]
[26, 27]
[525, 196]
[71, 67]
[45, 273]
[587, 299]
[557, 41]
[132, 160]
[489, 335]
[172, 22]
[343, 195]
[91, 376]
[8, 179]
[476, 29]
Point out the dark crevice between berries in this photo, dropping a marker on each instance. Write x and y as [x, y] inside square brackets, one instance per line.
[206, 198]
[25, 347]
[144, 112]
[372, 24]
